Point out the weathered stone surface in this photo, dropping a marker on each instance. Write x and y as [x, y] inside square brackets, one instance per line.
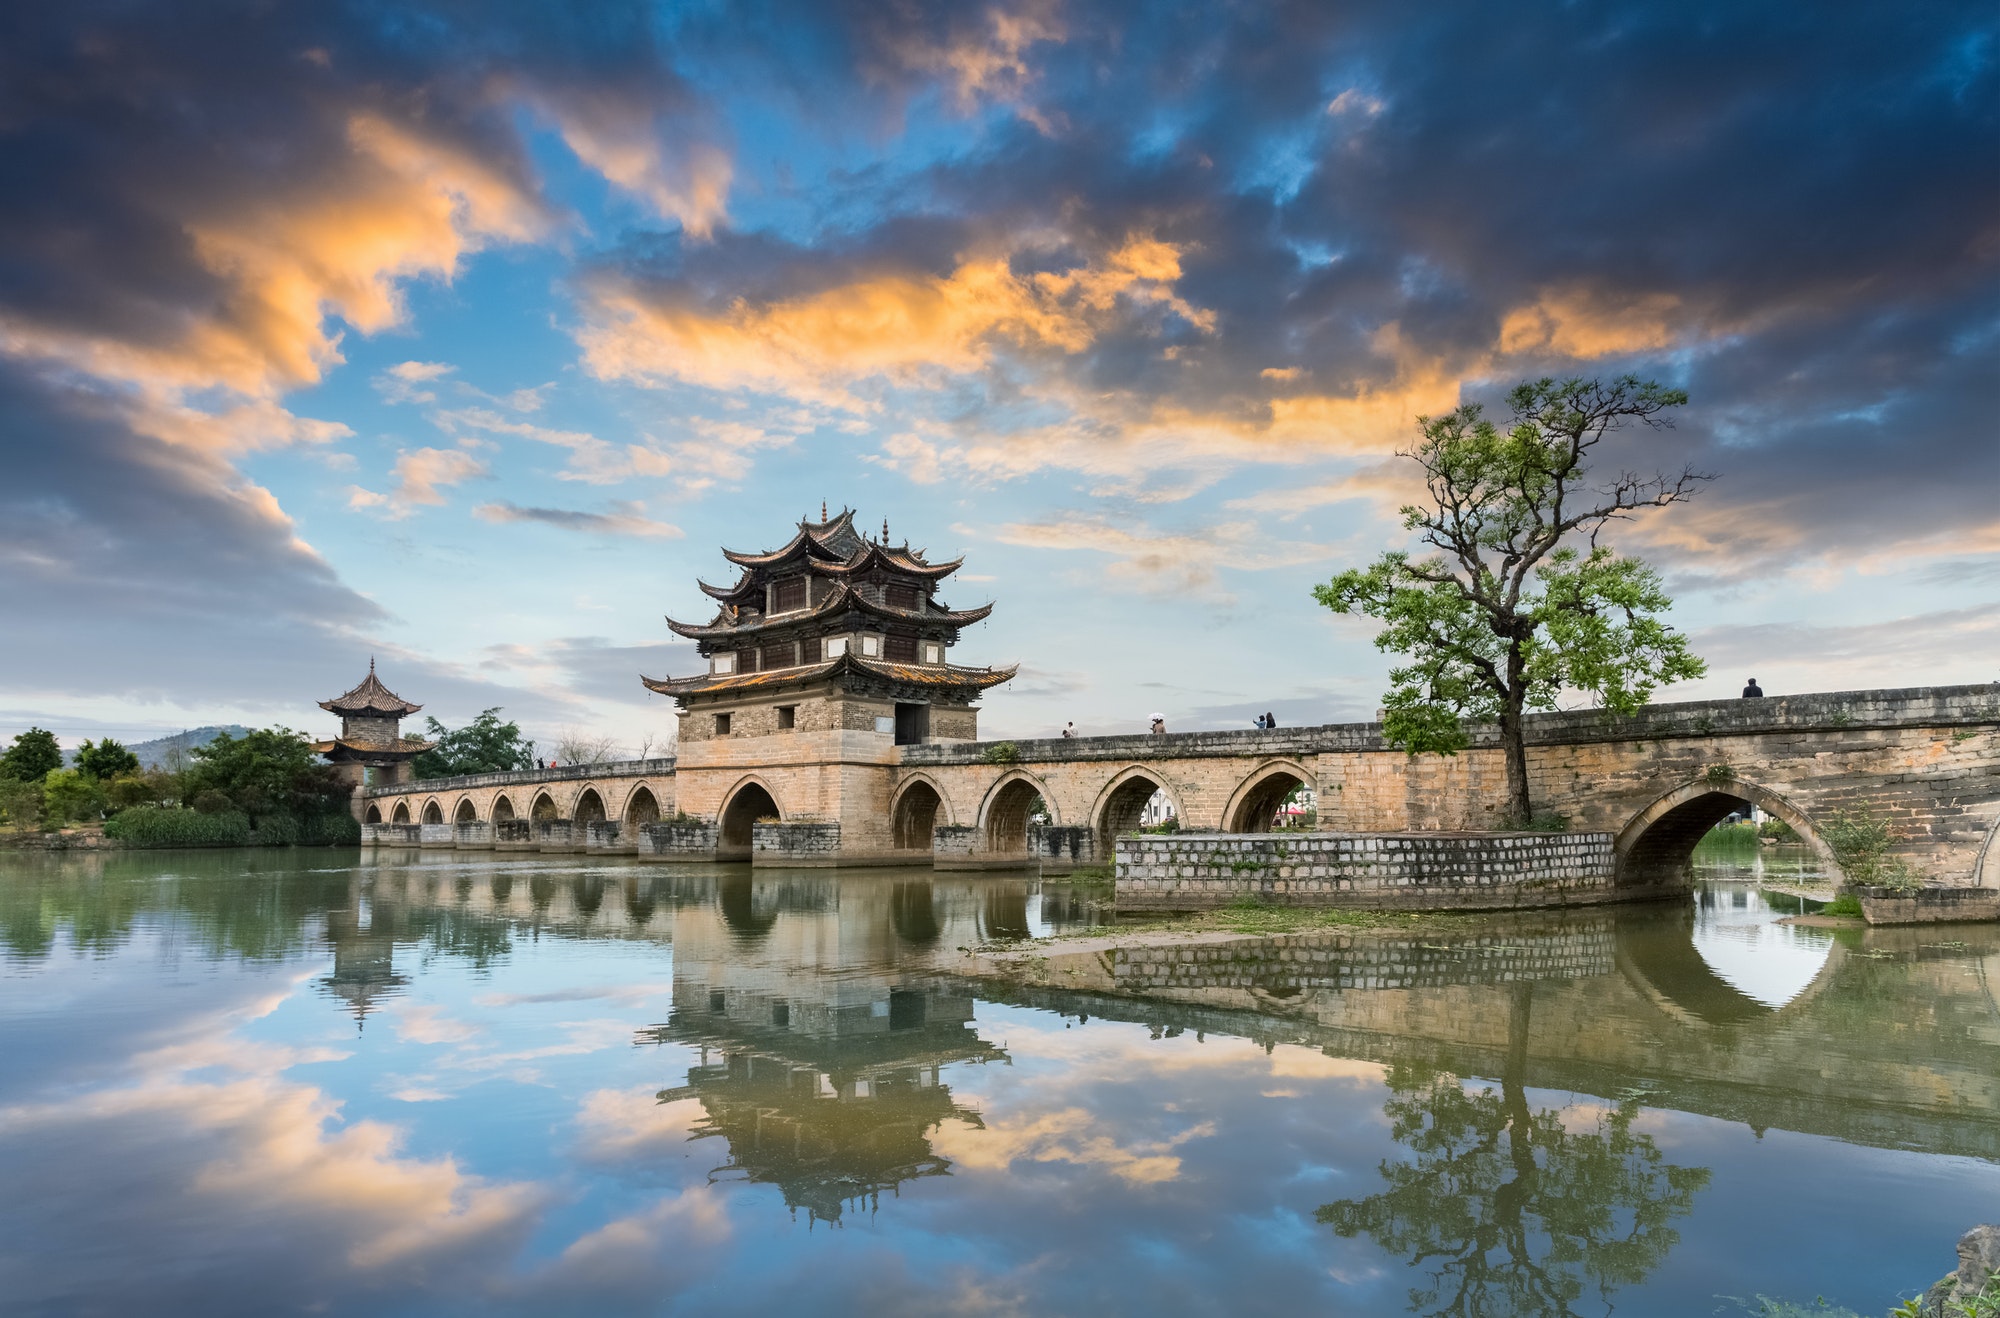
[1925, 760]
[1929, 905]
[794, 844]
[1978, 1261]
[1199, 871]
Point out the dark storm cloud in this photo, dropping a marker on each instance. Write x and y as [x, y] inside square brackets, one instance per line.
[195, 199]
[1795, 212]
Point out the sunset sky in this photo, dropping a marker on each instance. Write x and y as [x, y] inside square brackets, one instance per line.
[463, 335]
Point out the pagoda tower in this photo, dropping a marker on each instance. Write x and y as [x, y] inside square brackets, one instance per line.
[823, 658]
[371, 747]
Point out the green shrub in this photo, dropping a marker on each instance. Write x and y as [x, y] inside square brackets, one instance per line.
[156, 826]
[1777, 828]
[71, 797]
[1845, 904]
[20, 803]
[1001, 752]
[1860, 844]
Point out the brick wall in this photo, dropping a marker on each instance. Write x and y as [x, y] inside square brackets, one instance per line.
[1199, 871]
[794, 844]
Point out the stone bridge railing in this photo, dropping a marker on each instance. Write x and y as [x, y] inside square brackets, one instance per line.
[528, 777]
[1924, 706]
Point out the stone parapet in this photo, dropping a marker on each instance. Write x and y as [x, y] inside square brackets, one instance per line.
[1407, 871]
[1939, 706]
[528, 777]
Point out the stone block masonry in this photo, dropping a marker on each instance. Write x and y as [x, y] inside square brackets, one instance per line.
[679, 840]
[794, 844]
[1368, 871]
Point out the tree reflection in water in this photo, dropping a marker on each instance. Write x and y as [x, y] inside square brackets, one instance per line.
[1505, 1210]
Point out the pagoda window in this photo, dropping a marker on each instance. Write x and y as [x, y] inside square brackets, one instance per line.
[871, 646]
[788, 594]
[903, 597]
[722, 725]
[836, 646]
[809, 650]
[746, 661]
[901, 649]
[779, 654]
[933, 652]
[722, 663]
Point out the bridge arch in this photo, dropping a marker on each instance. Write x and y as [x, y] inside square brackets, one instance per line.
[466, 813]
[503, 809]
[589, 808]
[750, 800]
[433, 812]
[1659, 959]
[641, 807]
[544, 807]
[1656, 846]
[919, 807]
[1003, 815]
[1122, 803]
[401, 814]
[1256, 800]
[374, 815]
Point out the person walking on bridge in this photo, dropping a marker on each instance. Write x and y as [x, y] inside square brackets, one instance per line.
[1159, 728]
[1753, 691]
[1069, 730]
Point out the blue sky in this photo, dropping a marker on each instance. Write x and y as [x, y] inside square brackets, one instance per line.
[462, 336]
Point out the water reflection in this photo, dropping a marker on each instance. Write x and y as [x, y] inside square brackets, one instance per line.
[572, 1067]
[1505, 1209]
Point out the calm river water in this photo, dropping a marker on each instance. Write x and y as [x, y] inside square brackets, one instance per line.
[267, 1083]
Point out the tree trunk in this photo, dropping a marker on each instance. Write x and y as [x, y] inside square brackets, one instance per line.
[1513, 743]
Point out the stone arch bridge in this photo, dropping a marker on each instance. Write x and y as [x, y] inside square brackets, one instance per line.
[1926, 761]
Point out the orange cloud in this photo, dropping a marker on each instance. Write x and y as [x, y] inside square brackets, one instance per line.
[902, 328]
[1586, 323]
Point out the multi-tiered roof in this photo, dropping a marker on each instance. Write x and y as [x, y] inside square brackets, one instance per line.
[370, 715]
[833, 603]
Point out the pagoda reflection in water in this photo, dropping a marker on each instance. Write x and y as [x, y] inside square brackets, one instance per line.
[820, 1062]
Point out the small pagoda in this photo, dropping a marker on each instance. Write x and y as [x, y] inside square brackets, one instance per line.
[371, 737]
[834, 632]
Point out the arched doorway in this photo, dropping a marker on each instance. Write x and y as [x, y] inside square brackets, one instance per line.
[915, 816]
[433, 813]
[1257, 801]
[374, 815]
[1656, 849]
[503, 809]
[402, 815]
[545, 808]
[751, 803]
[589, 808]
[1122, 807]
[643, 808]
[1008, 814]
[466, 813]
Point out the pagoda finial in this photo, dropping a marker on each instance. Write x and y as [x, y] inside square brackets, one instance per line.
[885, 530]
[371, 665]
[822, 510]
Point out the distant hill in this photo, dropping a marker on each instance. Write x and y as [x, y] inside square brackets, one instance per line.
[153, 754]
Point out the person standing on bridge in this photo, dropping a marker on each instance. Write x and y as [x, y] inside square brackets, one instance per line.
[1261, 722]
[1270, 721]
[1753, 691]
[1159, 725]
[1069, 730]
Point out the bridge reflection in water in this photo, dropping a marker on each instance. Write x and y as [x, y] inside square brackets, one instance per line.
[830, 1012]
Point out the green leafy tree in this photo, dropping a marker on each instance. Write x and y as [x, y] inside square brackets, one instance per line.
[71, 796]
[32, 757]
[105, 760]
[1519, 601]
[1509, 1210]
[485, 745]
[267, 772]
